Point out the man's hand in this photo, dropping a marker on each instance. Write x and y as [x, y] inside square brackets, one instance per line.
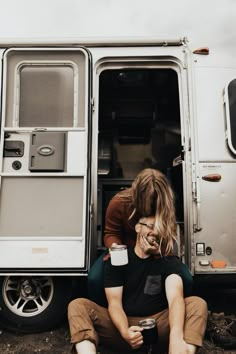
[114, 244]
[149, 245]
[178, 346]
[133, 336]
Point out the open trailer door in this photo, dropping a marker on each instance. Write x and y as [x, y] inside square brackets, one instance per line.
[44, 159]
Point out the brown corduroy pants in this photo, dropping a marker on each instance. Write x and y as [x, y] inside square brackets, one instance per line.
[89, 321]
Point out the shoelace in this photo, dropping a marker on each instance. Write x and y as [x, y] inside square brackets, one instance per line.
[225, 329]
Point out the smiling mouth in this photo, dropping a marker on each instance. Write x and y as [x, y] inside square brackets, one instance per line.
[151, 240]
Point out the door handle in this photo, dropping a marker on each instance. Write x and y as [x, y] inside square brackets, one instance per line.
[13, 148]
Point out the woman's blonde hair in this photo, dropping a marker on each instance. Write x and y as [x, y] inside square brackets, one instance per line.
[152, 195]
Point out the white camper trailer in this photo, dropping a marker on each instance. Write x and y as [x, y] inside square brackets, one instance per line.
[78, 122]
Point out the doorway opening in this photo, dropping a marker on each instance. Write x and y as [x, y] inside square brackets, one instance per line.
[139, 127]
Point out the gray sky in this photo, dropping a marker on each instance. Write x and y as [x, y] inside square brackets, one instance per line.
[204, 22]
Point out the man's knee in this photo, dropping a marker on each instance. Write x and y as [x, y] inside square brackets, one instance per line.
[197, 306]
[82, 314]
[76, 306]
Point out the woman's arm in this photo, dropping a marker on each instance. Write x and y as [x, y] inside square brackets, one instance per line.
[113, 223]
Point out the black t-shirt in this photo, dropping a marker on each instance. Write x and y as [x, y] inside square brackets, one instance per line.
[143, 282]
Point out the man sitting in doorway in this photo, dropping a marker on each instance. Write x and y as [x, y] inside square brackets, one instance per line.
[150, 285]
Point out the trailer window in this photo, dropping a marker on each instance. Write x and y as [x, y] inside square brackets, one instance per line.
[231, 115]
[45, 88]
[46, 96]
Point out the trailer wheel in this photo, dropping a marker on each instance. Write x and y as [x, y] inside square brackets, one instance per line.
[33, 304]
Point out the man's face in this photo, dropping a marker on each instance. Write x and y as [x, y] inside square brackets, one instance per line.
[147, 236]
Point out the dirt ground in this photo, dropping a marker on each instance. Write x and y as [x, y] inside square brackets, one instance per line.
[57, 341]
[54, 342]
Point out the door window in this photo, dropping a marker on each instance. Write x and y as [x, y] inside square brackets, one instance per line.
[46, 95]
[45, 88]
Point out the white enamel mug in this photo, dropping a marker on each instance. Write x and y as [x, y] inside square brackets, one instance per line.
[119, 255]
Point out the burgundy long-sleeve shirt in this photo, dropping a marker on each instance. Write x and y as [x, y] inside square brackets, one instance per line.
[118, 227]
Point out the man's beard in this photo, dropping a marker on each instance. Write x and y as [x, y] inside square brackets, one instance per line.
[147, 244]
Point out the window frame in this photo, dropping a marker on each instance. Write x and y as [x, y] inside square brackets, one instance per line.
[44, 63]
[229, 137]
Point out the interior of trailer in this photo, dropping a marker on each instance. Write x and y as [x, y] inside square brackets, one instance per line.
[139, 127]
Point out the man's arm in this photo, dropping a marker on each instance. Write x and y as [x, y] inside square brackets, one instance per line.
[174, 294]
[132, 334]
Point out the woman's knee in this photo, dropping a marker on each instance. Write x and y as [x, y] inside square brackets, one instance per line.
[96, 272]
[187, 280]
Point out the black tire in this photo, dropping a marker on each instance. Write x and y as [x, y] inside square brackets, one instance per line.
[33, 304]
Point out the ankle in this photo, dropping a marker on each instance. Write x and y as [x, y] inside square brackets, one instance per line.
[85, 347]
